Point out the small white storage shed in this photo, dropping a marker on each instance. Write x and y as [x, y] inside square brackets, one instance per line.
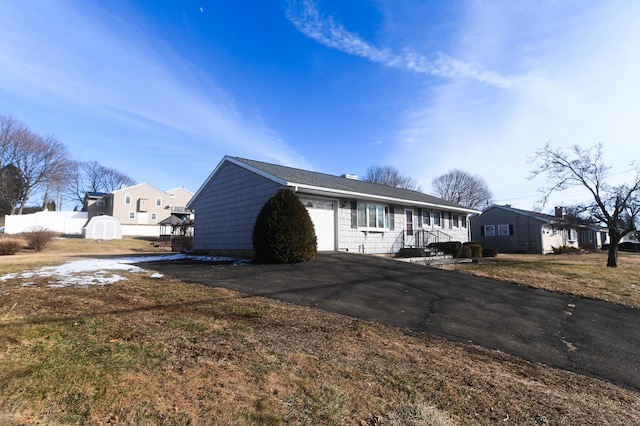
[103, 228]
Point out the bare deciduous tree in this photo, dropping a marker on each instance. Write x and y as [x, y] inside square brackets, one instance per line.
[462, 188]
[91, 176]
[41, 163]
[617, 207]
[390, 176]
[113, 179]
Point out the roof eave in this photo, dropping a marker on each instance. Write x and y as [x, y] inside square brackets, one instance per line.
[331, 192]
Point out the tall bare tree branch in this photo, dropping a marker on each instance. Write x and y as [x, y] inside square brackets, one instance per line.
[459, 186]
[390, 176]
[39, 163]
[617, 207]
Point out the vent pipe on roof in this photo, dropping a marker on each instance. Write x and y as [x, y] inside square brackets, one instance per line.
[349, 176]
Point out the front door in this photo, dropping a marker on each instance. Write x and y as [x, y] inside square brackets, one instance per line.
[409, 239]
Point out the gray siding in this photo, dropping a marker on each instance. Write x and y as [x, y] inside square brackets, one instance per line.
[228, 204]
[358, 241]
[526, 233]
[227, 208]
[391, 241]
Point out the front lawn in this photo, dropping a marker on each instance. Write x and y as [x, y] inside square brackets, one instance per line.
[578, 274]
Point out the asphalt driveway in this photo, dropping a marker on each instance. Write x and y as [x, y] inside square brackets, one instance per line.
[589, 337]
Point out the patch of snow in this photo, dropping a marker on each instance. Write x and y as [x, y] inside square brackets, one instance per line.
[99, 271]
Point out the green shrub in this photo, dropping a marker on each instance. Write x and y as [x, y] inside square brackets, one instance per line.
[451, 248]
[476, 248]
[489, 252]
[466, 252]
[284, 232]
[10, 246]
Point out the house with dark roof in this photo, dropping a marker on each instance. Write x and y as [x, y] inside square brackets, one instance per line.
[511, 230]
[348, 214]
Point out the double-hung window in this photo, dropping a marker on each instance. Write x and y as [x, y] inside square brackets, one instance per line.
[436, 219]
[426, 218]
[373, 216]
[127, 200]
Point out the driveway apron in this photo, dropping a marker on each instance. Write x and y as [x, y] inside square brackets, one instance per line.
[589, 337]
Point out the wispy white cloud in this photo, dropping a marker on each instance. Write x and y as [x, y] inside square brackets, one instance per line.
[306, 17]
[582, 89]
[89, 60]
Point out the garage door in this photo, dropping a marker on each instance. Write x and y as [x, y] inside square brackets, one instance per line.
[321, 213]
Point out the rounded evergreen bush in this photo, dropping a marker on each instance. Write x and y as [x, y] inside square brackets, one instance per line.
[489, 252]
[476, 248]
[284, 232]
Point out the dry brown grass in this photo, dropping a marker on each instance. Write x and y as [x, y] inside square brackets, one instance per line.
[158, 351]
[579, 274]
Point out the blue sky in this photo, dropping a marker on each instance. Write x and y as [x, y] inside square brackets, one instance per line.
[161, 90]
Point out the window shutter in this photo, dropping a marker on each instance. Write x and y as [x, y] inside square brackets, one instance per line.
[392, 219]
[354, 214]
[419, 218]
[482, 230]
[510, 229]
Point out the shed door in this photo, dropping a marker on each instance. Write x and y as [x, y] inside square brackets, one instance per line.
[323, 218]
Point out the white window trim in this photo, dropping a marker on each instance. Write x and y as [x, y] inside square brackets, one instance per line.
[502, 230]
[158, 201]
[132, 215]
[428, 216]
[127, 200]
[440, 219]
[154, 216]
[489, 230]
[368, 228]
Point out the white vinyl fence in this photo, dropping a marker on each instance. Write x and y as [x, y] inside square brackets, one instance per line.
[68, 223]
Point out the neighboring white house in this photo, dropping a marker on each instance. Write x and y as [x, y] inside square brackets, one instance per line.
[347, 214]
[511, 230]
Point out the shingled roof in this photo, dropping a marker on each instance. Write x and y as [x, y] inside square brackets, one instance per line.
[343, 186]
[542, 217]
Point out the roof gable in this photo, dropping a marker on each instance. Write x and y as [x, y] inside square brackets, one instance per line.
[137, 186]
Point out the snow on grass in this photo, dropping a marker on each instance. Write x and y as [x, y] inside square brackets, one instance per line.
[98, 271]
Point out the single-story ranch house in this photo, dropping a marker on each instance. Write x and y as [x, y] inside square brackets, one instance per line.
[511, 230]
[348, 214]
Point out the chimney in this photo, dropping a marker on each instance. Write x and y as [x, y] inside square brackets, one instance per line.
[349, 176]
[560, 211]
